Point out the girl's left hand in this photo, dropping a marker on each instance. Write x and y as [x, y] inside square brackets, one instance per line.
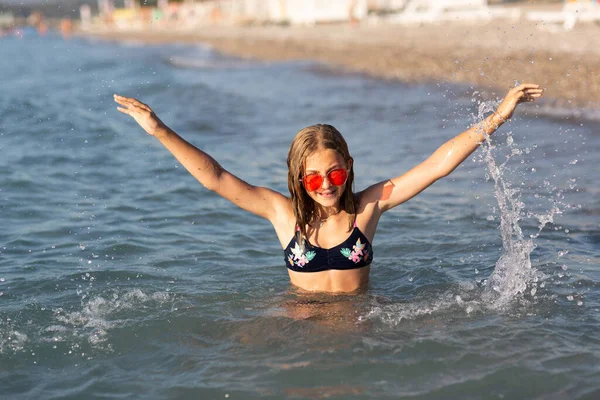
[526, 92]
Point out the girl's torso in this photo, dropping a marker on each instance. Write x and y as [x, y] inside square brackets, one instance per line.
[336, 256]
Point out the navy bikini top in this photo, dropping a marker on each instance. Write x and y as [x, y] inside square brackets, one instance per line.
[354, 252]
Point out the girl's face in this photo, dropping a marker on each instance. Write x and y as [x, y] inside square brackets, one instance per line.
[322, 162]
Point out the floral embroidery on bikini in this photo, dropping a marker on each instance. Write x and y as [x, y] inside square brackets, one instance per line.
[358, 250]
[300, 258]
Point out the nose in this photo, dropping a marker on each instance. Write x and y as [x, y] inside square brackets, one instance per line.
[326, 184]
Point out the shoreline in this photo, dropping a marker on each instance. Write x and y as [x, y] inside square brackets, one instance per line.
[490, 56]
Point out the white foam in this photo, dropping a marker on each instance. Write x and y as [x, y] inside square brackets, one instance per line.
[99, 314]
[13, 340]
[204, 63]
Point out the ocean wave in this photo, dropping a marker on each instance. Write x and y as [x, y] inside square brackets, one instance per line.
[566, 113]
[204, 63]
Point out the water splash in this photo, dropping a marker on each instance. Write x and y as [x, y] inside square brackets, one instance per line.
[99, 314]
[83, 329]
[513, 272]
[514, 279]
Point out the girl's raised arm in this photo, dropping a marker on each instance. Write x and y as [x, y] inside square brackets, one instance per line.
[258, 200]
[388, 194]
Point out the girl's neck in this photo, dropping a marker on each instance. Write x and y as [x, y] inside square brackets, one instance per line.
[327, 212]
[324, 214]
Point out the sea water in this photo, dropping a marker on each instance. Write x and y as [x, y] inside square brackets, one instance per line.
[121, 276]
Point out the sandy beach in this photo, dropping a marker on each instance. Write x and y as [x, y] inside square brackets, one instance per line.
[489, 55]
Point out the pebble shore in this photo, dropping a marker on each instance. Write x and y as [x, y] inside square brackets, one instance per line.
[490, 56]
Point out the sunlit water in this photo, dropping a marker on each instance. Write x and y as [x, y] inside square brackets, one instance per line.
[120, 276]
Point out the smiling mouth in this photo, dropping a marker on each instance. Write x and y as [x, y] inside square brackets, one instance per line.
[327, 194]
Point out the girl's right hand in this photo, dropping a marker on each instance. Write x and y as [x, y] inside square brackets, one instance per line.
[142, 114]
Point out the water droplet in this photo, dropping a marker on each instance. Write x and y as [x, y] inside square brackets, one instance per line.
[579, 303]
[570, 298]
[563, 252]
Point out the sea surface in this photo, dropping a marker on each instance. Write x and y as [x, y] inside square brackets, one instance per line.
[122, 277]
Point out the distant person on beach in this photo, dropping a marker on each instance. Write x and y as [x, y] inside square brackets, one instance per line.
[325, 228]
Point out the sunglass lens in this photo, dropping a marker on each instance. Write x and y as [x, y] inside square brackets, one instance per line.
[312, 182]
[337, 177]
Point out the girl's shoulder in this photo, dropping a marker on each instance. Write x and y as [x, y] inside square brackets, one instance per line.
[285, 221]
[362, 201]
[284, 212]
[367, 215]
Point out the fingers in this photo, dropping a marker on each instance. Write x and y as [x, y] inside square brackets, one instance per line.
[531, 94]
[124, 110]
[525, 86]
[127, 108]
[131, 102]
[526, 92]
[124, 101]
[527, 89]
[140, 105]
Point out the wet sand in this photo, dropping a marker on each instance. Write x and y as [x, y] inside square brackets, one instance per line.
[491, 56]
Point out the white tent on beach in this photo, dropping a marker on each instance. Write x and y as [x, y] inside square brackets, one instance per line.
[310, 12]
[295, 12]
[431, 11]
[6, 19]
[572, 12]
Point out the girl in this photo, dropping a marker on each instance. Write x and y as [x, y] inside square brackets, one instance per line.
[325, 229]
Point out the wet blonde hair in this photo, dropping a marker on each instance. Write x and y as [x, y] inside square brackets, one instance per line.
[306, 142]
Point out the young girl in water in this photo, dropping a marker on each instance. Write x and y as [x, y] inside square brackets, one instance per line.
[324, 227]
